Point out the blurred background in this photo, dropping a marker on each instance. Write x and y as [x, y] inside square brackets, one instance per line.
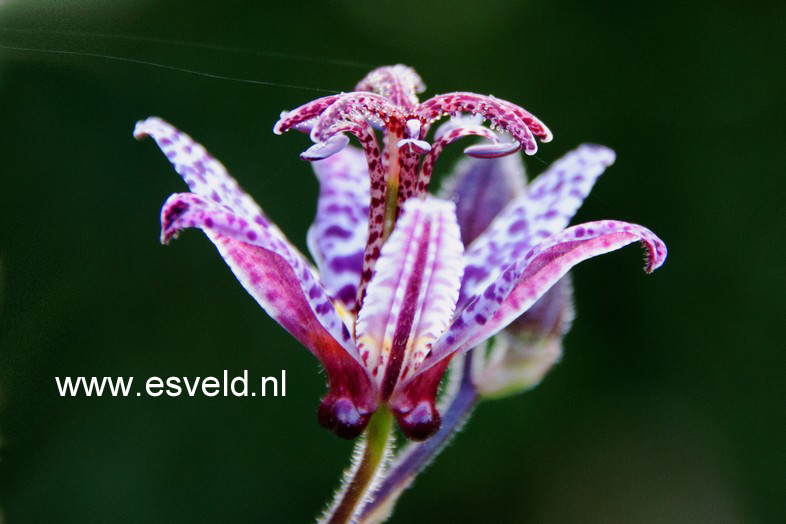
[670, 402]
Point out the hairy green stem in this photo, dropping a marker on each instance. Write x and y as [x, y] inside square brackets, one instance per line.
[416, 456]
[376, 444]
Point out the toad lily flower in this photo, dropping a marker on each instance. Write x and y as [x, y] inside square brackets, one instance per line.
[396, 295]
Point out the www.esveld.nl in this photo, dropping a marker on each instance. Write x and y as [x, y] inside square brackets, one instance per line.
[237, 386]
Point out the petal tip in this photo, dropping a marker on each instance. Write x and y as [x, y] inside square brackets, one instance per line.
[605, 155]
[141, 128]
[173, 209]
[655, 254]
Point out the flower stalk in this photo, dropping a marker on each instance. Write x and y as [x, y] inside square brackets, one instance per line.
[374, 453]
[416, 456]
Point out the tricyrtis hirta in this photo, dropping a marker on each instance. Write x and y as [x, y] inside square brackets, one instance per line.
[402, 285]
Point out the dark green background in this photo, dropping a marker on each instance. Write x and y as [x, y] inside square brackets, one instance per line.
[669, 403]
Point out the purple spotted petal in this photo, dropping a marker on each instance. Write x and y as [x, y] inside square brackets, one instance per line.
[550, 316]
[187, 210]
[528, 278]
[558, 192]
[413, 292]
[399, 83]
[337, 238]
[481, 189]
[271, 280]
[546, 208]
[203, 174]
[219, 207]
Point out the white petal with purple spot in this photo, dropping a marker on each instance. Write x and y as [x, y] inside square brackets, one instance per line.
[337, 238]
[544, 209]
[525, 280]
[222, 209]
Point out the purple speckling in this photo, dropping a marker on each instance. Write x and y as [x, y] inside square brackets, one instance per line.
[347, 293]
[489, 293]
[518, 225]
[323, 308]
[353, 262]
[475, 273]
[337, 231]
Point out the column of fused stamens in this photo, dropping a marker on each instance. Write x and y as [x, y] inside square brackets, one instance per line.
[356, 125]
[383, 188]
[411, 147]
[408, 161]
[399, 83]
[442, 139]
[363, 108]
[368, 106]
[377, 181]
[500, 113]
[331, 117]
